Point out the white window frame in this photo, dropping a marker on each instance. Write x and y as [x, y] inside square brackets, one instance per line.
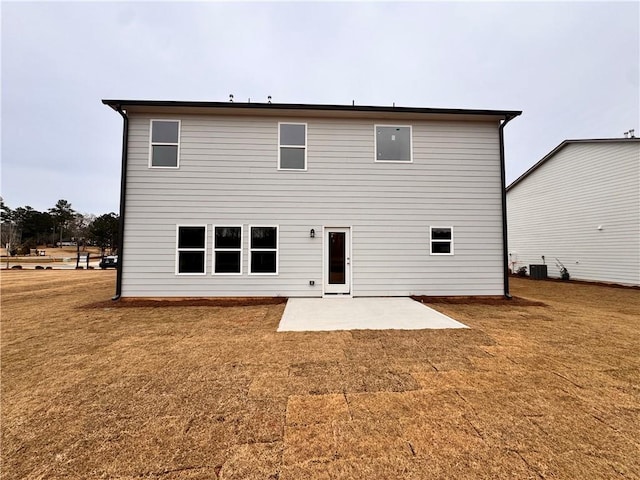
[306, 129]
[431, 240]
[375, 143]
[152, 143]
[213, 243]
[178, 250]
[277, 249]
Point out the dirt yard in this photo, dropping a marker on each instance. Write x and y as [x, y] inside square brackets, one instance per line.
[201, 392]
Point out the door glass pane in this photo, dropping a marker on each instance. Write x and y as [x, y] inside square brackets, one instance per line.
[337, 258]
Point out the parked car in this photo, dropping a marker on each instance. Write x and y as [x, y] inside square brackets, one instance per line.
[110, 261]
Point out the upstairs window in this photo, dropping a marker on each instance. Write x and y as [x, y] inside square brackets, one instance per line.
[227, 247]
[441, 240]
[191, 250]
[292, 146]
[264, 250]
[165, 143]
[393, 143]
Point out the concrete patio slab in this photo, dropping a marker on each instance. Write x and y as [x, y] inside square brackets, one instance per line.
[398, 313]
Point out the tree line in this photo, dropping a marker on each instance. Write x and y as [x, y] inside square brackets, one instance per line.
[25, 228]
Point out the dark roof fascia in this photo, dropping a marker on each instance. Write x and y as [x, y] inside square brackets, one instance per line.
[309, 107]
[560, 147]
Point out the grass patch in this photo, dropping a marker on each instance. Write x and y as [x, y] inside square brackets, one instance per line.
[542, 388]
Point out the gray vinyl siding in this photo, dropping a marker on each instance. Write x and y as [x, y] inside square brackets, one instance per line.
[557, 209]
[228, 176]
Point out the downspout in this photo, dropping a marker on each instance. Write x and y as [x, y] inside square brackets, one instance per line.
[505, 251]
[123, 189]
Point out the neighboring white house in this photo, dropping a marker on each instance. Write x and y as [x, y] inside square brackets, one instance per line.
[255, 199]
[581, 205]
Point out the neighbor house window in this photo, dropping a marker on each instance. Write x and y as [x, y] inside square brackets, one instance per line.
[227, 250]
[292, 146]
[393, 143]
[441, 240]
[165, 143]
[191, 250]
[263, 250]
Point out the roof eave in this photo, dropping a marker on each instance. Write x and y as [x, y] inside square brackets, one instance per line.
[279, 108]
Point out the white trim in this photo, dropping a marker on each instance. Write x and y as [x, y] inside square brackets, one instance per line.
[324, 259]
[375, 143]
[351, 260]
[304, 147]
[277, 250]
[348, 261]
[437, 240]
[178, 250]
[151, 143]
[214, 249]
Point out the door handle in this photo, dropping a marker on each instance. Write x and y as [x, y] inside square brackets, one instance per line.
[348, 261]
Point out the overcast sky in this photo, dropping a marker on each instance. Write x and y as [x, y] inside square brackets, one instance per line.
[573, 68]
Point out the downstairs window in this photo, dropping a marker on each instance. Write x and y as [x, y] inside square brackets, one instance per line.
[441, 240]
[227, 250]
[191, 250]
[263, 250]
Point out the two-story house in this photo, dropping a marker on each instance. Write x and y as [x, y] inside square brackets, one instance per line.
[580, 205]
[260, 199]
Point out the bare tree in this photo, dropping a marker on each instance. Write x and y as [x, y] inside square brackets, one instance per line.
[79, 227]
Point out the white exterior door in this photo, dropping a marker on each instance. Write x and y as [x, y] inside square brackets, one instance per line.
[337, 261]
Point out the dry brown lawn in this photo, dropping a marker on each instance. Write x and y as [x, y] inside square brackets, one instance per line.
[204, 392]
